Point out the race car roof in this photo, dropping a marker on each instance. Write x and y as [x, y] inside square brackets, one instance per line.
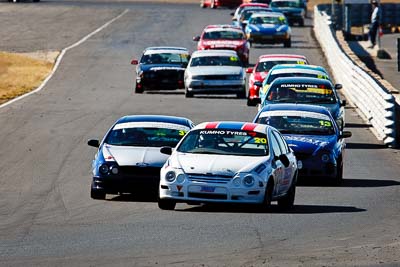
[223, 26]
[211, 52]
[267, 14]
[254, 5]
[282, 67]
[233, 125]
[155, 118]
[165, 49]
[263, 58]
[295, 107]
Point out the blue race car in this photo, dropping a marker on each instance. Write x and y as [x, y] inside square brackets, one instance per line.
[268, 28]
[305, 90]
[129, 157]
[294, 10]
[311, 132]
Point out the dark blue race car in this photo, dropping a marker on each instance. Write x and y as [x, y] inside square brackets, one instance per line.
[129, 158]
[313, 135]
[161, 68]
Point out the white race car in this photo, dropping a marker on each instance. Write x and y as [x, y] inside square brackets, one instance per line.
[229, 162]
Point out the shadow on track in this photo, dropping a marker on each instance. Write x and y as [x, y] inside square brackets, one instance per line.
[358, 125]
[298, 209]
[144, 196]
[315, 182]
[364, 146]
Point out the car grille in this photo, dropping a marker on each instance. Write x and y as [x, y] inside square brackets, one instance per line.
[140, 171]
[216, 77]
[209, 178]
[208, 196]
[164, 74]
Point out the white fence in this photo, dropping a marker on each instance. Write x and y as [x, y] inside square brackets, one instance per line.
[377, 105]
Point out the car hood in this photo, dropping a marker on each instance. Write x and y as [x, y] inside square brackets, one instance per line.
[268, 28]
[215, 70]
[135, 156]
[156, 67]
[214, 164]
[310, 144]
[223, 43]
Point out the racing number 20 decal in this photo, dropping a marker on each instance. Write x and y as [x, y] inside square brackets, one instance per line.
[259, 140]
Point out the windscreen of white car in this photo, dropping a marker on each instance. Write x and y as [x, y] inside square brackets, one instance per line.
[301, 93]
[144, 136]
[297, 122]
[225, 142]
[216, 61]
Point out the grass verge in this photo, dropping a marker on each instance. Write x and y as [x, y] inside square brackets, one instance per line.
[22, 73]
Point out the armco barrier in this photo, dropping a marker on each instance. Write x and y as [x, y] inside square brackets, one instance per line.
[375, 103]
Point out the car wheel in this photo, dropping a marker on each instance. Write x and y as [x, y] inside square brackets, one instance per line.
[212, 5]
[188, 94]
[166, 204]
[301, 23]
[242, 94]
[266, 205]
[287, 201]
[139, 90]
[250, 102]
[287, 43]
[339, 172]
[97, 194]
[202, 4]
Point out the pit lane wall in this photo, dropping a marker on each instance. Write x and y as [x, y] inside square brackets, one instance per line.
[373, 101]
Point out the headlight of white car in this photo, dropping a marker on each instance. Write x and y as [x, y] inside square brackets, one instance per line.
[248, 180]
[170, 176]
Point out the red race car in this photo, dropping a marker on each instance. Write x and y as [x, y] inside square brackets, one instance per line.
[217, 3]
[261, 69]
[224, 37]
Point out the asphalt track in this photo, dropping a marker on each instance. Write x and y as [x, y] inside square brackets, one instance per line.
[47, 217]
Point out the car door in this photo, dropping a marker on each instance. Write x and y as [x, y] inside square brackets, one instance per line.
[276, 164]
[287, 173]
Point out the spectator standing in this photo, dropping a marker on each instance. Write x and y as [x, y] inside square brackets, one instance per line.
[373, 28]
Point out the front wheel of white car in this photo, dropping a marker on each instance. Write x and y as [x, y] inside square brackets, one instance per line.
[266, 205]
[166, 204]
[287, 202]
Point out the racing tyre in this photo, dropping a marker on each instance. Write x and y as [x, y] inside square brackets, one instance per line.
[242, 94]
[97, 194]
[212, 5]
[266, 205]
[139, 90]
[166, 204]
[339, 173]
[287, 202]
[287, 43]
[188, 94]
[301, 23]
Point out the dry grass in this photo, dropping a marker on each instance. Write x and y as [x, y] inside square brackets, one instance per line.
[20, 74]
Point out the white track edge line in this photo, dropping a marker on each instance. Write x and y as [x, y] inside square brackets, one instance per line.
[59, 58]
